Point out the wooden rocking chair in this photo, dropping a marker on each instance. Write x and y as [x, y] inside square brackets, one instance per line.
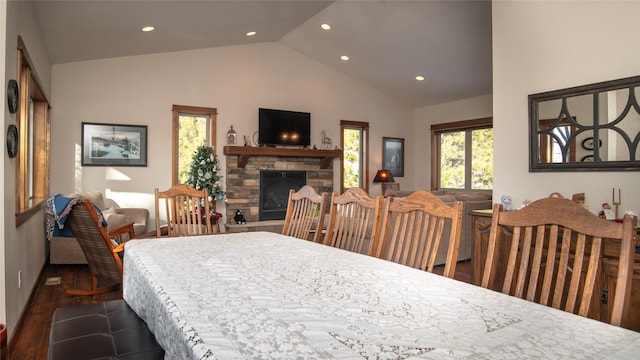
[103, 257]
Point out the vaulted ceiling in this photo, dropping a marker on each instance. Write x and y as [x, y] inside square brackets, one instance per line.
[388, 42]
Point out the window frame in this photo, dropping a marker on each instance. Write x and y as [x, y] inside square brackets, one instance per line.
[363, 127]
[464, 125]
[176, 111]
[34, 133]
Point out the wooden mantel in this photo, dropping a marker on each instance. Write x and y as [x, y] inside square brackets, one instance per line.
[245, 152]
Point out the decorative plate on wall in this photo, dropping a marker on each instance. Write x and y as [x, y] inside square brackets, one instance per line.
[13, 97]
[12, 141]
[587, 158]
[587, 143]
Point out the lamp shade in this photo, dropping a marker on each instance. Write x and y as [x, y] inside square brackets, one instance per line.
[383, 176]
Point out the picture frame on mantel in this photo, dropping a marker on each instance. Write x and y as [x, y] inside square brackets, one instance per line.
[393, 155]
[114, 145]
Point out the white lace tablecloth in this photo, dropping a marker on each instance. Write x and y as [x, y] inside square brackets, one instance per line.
[266, 296]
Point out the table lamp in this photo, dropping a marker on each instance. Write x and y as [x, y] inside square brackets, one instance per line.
[384, 176]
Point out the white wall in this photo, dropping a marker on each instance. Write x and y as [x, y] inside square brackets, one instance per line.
[25, 247]
[548, 45]
[467, 109]
[236, 80]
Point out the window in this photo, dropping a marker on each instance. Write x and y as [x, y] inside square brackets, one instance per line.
[32, 120]
[354, 140]
[462, 155]
[192, 127]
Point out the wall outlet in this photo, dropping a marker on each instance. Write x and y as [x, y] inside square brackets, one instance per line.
[19, 279]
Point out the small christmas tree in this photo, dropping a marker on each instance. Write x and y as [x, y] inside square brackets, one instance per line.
[203, 172]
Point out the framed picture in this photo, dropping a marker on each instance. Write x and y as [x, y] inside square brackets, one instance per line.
[114, 145]
[393, 155]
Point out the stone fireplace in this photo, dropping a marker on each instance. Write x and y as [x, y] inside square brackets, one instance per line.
[246, 164]
[274, 192]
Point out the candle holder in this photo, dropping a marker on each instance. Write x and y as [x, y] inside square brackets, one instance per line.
[614, 202]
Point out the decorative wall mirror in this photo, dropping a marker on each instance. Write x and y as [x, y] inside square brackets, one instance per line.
[593, 127]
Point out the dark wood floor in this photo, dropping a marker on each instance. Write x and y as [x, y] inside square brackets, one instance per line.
[31, 339]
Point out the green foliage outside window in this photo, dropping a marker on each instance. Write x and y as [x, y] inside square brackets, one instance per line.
[351, 155]
[452, 146]
[482, 159]
[453, 160]
[193, 133]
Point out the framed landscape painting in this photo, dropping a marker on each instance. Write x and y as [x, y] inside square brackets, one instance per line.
[393, 155]
[114, 145]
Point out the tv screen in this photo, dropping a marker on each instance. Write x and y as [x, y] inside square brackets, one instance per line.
[282, 127]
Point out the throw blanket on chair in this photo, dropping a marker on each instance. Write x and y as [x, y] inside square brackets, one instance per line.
[57, 209]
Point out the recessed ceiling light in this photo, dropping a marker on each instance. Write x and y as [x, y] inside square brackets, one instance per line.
[251, 33]
[325, 27]
[420, 78]
[344, 58]
[148, 28]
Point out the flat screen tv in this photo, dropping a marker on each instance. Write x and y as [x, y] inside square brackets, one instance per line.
[284, 128]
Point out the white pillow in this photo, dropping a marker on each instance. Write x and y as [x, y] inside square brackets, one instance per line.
[109, 211]
[115, 220]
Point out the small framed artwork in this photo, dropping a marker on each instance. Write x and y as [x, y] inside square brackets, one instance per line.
[393, 155]
[114, 145]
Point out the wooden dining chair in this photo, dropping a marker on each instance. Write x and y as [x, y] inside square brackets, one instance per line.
[186, 209]
[414, 229]
[103, 255]
[553, 248]
[305, 209]
[354, 221]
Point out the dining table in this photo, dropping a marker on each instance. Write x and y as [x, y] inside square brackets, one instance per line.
[262, 295]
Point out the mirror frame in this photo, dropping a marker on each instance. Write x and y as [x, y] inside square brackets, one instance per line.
[535, 165]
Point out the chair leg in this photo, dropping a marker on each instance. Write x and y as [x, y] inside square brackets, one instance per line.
[95, 290]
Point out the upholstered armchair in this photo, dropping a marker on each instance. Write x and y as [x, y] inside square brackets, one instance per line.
[64, 248]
